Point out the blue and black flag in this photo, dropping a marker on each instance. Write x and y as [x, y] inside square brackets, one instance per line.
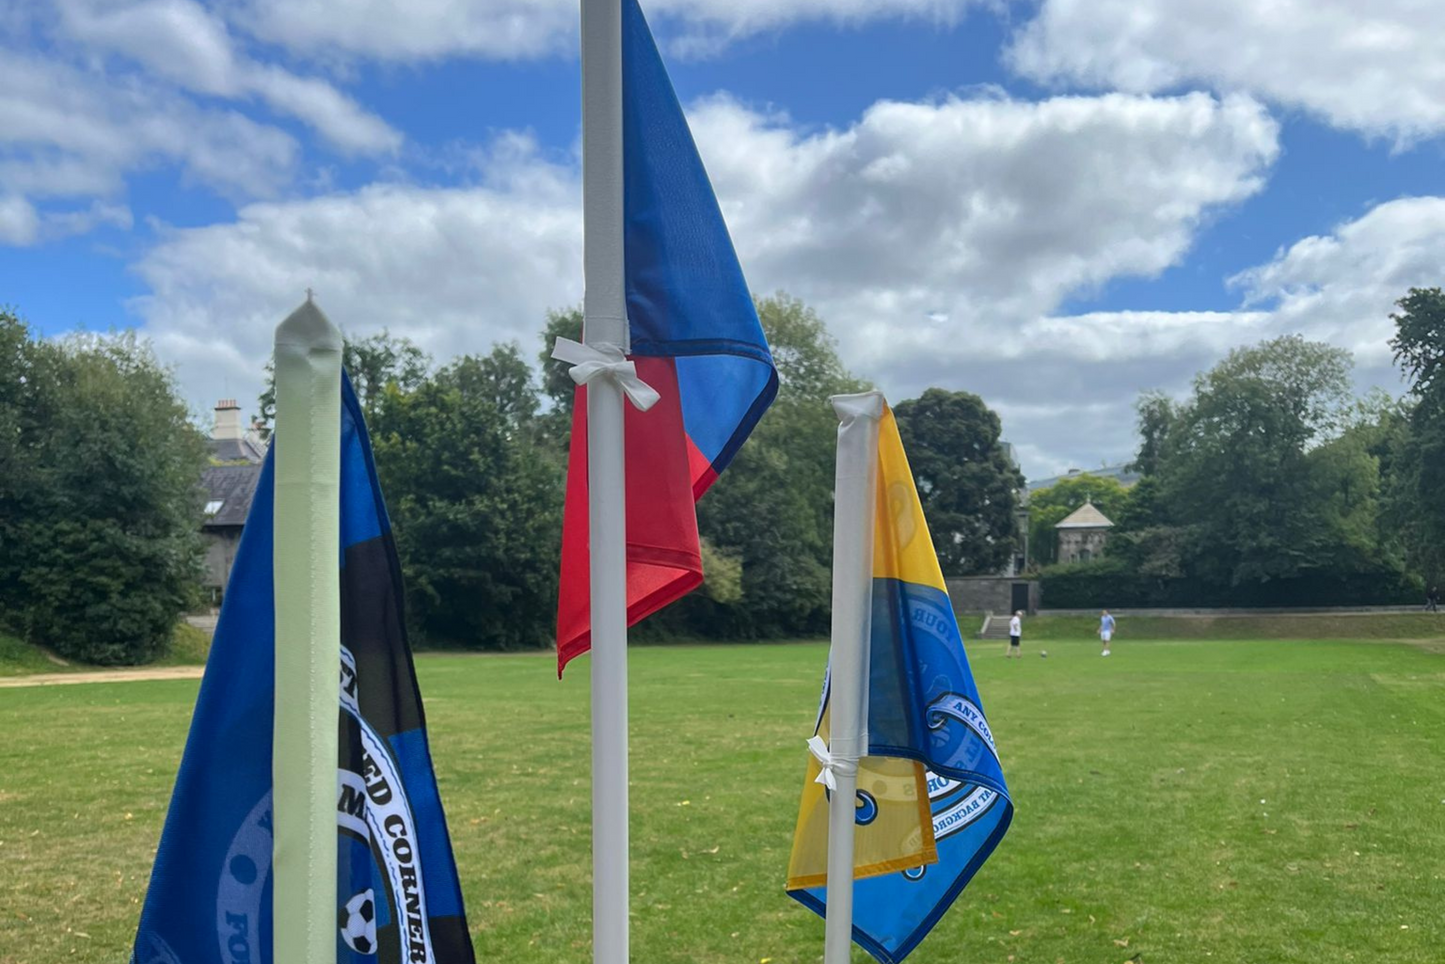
[397, 896]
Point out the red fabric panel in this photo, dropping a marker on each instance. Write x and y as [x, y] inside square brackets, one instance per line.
[699, 468]
[664, 562]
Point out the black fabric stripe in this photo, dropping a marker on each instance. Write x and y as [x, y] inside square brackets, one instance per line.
[373, 627]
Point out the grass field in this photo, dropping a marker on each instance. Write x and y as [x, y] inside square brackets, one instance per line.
[189, 647]
[1177, 802]
[1316, 626]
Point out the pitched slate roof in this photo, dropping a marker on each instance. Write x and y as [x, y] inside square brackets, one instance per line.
[232, 486]
[1085, 517]
[237, 449]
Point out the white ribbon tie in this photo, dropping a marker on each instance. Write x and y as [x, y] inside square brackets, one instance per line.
[605, 361]
[832, 765]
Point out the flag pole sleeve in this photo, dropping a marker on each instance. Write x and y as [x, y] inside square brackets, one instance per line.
[854, 507]
[604, 313]
[306, 567]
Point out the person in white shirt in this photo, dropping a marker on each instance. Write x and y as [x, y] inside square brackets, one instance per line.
[1015, 635]
[1106, 631]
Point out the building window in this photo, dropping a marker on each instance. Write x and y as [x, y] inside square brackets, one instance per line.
[213, 507]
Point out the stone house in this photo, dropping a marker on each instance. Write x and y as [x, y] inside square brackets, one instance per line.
[1083, 534]
[229, 483]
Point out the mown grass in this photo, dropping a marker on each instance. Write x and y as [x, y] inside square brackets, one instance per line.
[189, 647]
[1253, 802]
[19, 658]
[1344, 626]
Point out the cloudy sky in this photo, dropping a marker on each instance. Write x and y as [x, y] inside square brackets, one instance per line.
[1053, 203]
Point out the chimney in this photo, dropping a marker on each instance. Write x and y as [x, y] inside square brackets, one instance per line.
[228, 421]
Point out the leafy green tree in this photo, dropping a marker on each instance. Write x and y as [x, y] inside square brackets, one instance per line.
[772, 509]
[1239, 470]
[100, 537]
[1146, 538]
[476, 503]
[1048, 507]
[557, 385]
[1419, 342]
[1345, 498]
[23, 400]
[1157, 414]
[966, 482]
[1416, 470]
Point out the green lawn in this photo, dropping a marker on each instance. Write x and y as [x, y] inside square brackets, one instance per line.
[1224, 802]
[21, 659]
[189, 647]
[1317, 626]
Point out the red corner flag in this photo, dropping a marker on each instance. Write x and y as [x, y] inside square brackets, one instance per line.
[695, 339]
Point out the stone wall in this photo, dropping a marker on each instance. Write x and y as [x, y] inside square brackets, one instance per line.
[988, 594]
[1082, 545]
[221, 546]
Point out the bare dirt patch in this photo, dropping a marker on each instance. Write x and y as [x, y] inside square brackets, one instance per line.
[105, 676]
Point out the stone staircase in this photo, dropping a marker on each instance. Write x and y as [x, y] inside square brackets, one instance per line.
[994, 627]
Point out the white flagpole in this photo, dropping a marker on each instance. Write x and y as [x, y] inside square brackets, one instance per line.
[306, 569]
[854, 507]
[604, 314]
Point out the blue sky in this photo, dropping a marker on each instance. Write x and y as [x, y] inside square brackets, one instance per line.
[1056, 204]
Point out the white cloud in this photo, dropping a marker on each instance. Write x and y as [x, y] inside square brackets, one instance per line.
[1369, 67]
[70, 132]
[22, 225]
[454, 269]
[933, 234]
[19, 223]
[335, 116]
[176, 39]
[64, 224]
[180, 42]
[75, 124]
[984, 214]
[1341, 287]
[516, 29]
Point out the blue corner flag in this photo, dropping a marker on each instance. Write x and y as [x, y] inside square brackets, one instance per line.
[397, 895]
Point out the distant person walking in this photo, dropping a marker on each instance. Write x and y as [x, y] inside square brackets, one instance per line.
[1015, 635]
[1106, 631]
[1432, 600]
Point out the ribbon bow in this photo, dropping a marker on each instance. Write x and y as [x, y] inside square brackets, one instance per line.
[605, 361]
[832, 765]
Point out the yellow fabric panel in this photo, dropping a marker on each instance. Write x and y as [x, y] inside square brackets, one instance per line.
[902, 547]
[899, 837]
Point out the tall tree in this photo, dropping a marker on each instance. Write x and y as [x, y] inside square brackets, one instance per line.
[1156, 415]
[772, 511]
[1239, 470]
[557, 385]
[966, 481]
[475, 501]
[99, 544]
[1417, 473]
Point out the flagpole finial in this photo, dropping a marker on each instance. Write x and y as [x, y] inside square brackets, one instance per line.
[310, 295]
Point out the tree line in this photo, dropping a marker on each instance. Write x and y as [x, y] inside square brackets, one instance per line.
[100, 508]
[1272, 483]
[472, 456]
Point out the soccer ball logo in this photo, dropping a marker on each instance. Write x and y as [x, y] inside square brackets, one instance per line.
[357, 921]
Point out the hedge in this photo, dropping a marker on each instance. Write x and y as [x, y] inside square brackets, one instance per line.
[1111, 584]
